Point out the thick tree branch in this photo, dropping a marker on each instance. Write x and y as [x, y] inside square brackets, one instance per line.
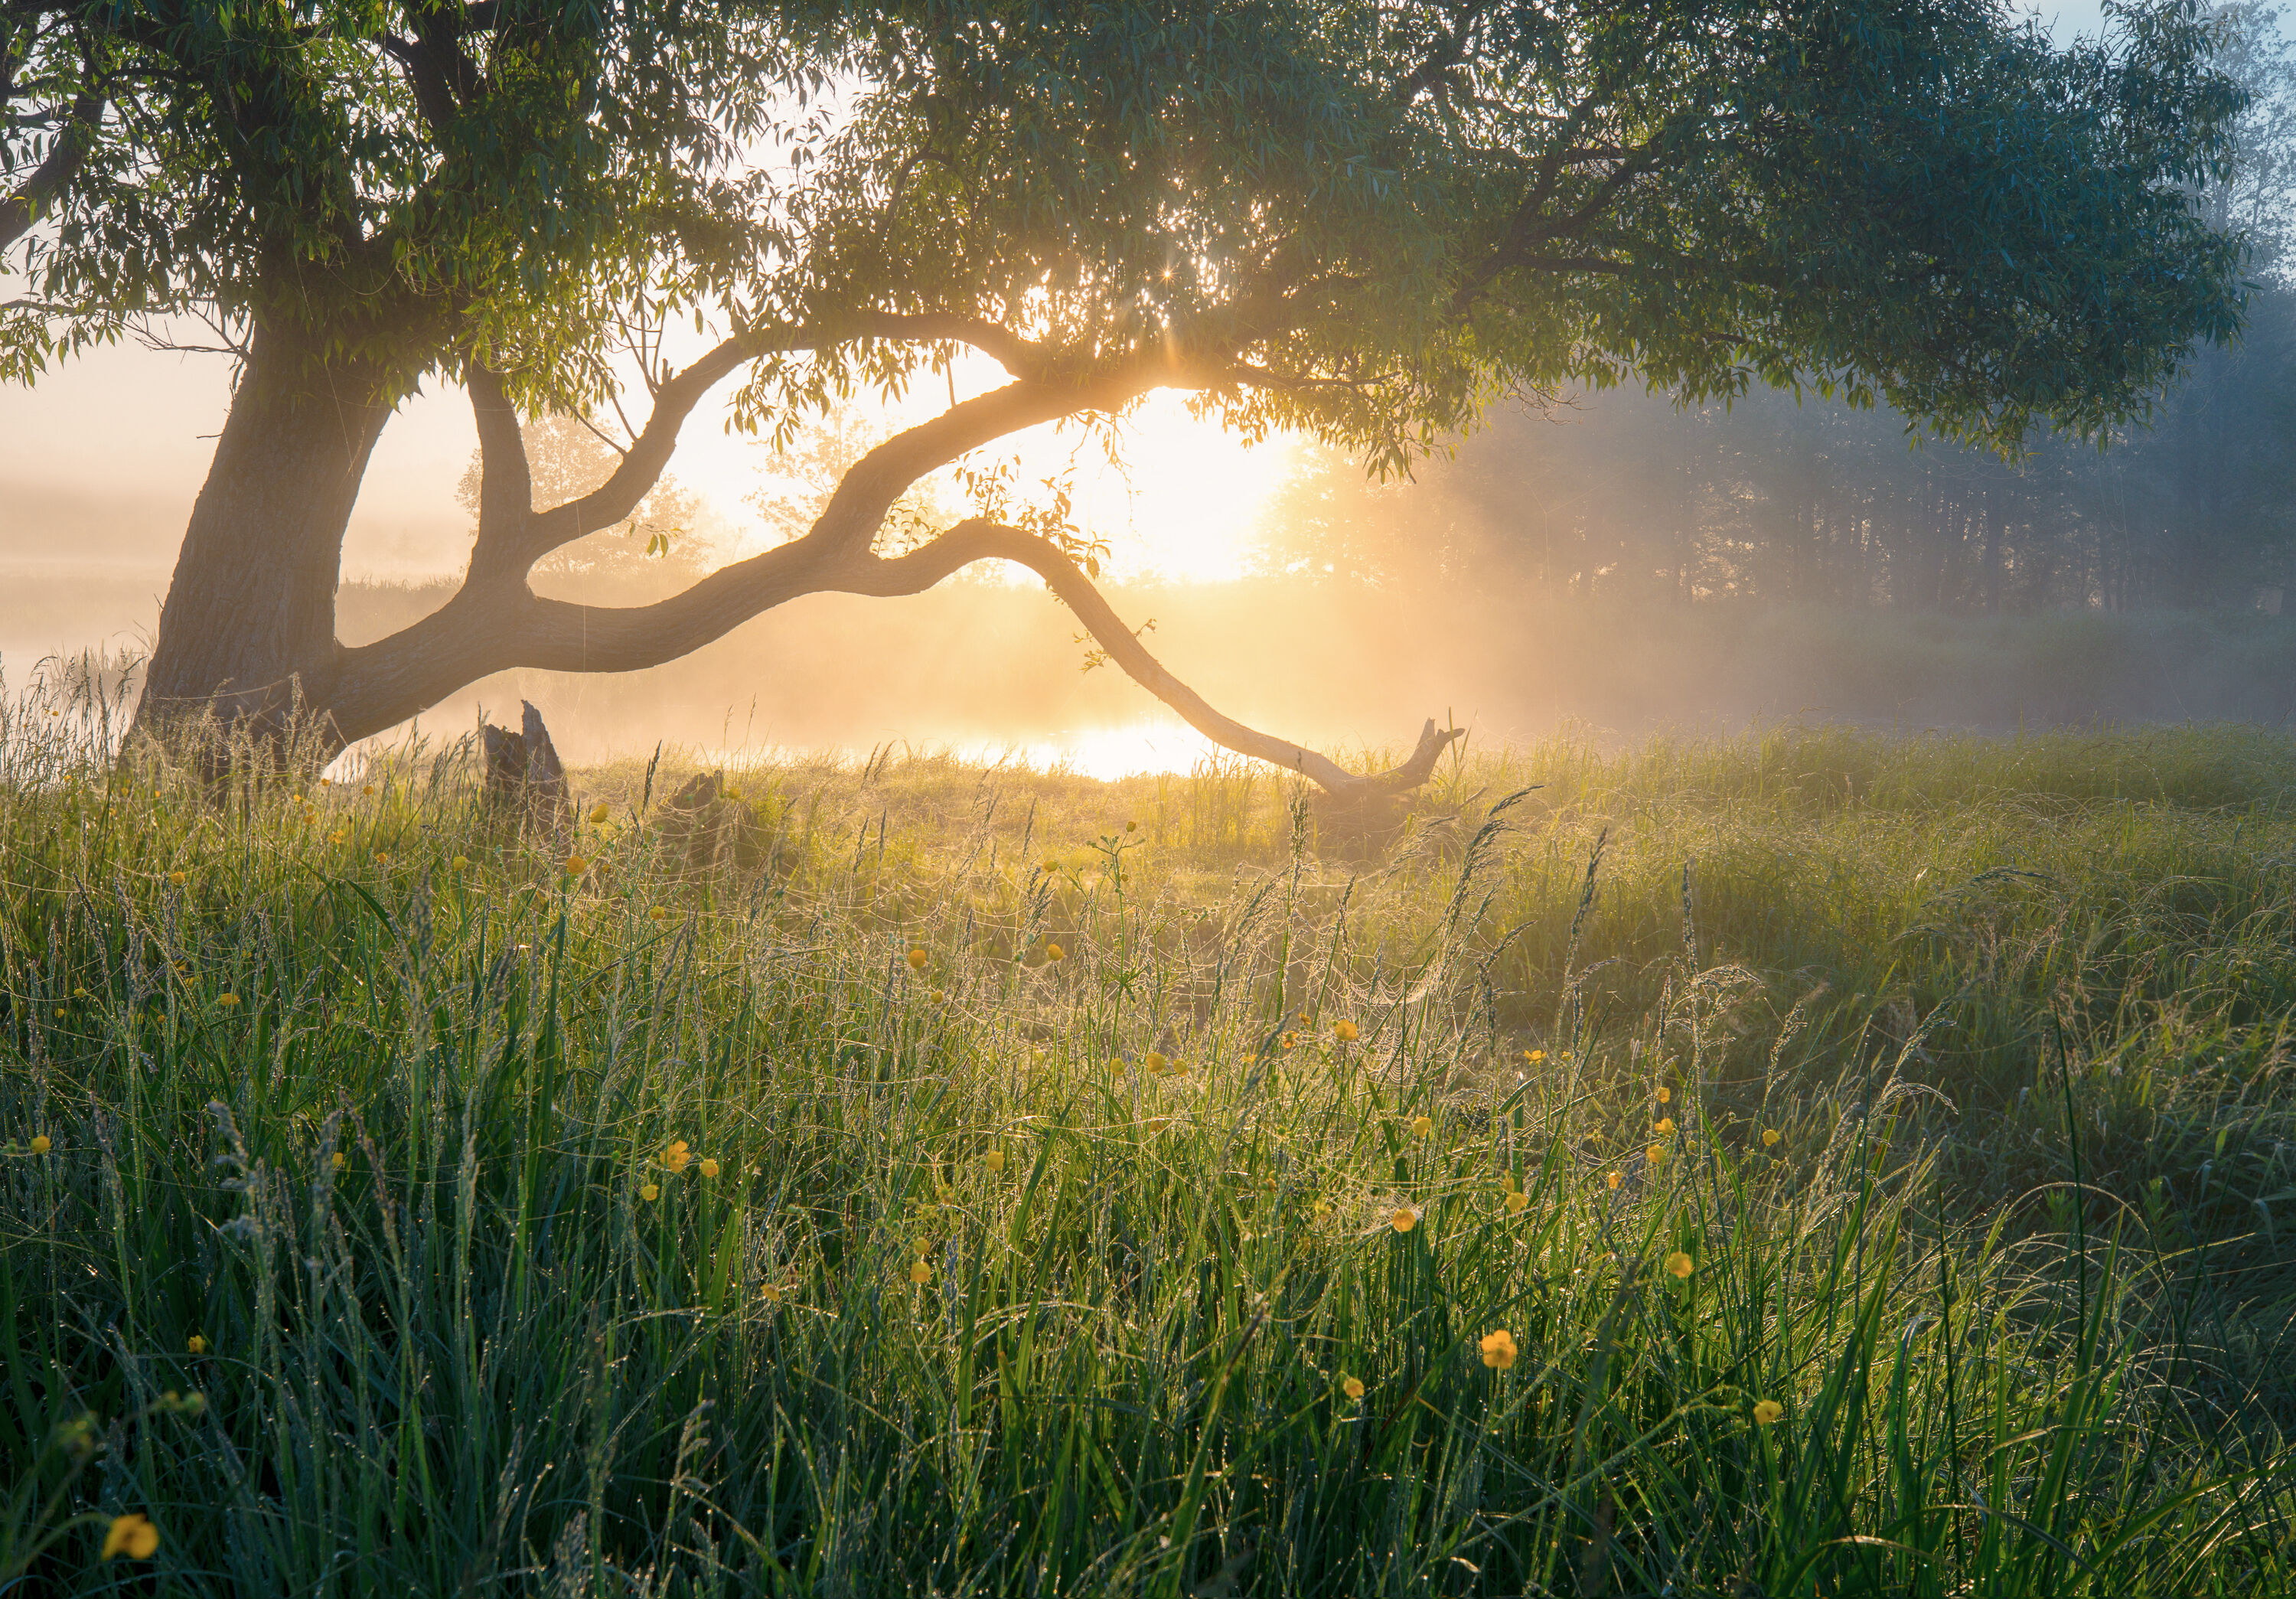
[979, 539]
[25, 207]
[505, 479]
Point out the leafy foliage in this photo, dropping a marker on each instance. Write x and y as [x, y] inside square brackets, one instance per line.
[1365, 220]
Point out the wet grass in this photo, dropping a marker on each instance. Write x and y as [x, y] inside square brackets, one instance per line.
[1879, 1157]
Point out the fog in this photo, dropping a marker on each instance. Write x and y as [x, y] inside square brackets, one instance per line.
[1539, 578]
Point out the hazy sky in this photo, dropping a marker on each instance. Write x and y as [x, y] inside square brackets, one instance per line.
[131, 429]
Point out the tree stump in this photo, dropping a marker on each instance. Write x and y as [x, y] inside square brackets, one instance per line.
[524, 774]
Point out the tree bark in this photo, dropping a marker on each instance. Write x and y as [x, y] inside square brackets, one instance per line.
[249, 625]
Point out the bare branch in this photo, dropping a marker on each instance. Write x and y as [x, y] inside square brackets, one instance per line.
[981, 540]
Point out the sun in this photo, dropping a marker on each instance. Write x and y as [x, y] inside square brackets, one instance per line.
[1181, 501]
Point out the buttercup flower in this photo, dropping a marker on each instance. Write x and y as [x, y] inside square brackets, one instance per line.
[1679, 1264]
[920, 1270]
[179, 878]
[1770, 1137]
[1352, 1387]
[1655, 1154]
[226, 1000]
[1665, 1126]
[1421, 1126]
[1614, 1179]
[1154, 1061]
[939, 995]
[1534, 1055]
[678, 1156]
[131, 1535]
[1516, 1202]
[650, 1192]
[918, 957]
[339, 1160]
[1499, 1350]
[40, 1144]
[1156, 1124]
[599, 812]
[459, 862]
[1054, 952]
[1664, 1094]
[1289, 1040]
[576, 865]
[994, 1159]
[1768, 1411]
[196, 1344]
[1345, 1032]
[710, 1169]
[1132, 827]
[1404, 1219]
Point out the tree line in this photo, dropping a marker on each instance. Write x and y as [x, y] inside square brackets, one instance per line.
[1808, 499]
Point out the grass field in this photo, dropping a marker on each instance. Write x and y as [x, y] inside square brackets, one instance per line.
[1810, 1164]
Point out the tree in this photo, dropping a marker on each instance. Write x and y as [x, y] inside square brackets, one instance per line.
[1366, 221]
[570, 456]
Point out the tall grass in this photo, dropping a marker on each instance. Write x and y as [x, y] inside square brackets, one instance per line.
[976, 1194]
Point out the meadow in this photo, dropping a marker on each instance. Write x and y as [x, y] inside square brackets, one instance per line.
[1805, 1163]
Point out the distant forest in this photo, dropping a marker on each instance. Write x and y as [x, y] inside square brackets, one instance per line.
[1814, 502]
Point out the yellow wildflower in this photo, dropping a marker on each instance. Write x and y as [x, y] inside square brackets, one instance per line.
[1679, 1264]
[920, 1270]
[1770, 1137]
[1154, 1061]
[1664, 1094]
[1289, 1040]
[659, 913]
[40, 1144]
[1345, 1032]
[459, 862]
[226, 1000]
[710, 1169]
[369, 789]
[196, 1344]
[994, 1159]
[773, 1293]
[1768, 1411]
[1132, 827]
[918, 957]
[1499, 1350]
[339, 1160]
[1534, 1055]
[1352, 1387]
[1517, 1200]
[599, 812]
[1665, 1126]
[1614, 1179]
[1157, 1124]
[576, 865]
[381, 858]
[939, 995]
[131, 1535]
[677, 1157]
[1421, 1126]
[79, 993]
[1655, 1154]
[1054, 952]
[1404, 1219]
[338, 836]
[650, 1192]
[178, 878]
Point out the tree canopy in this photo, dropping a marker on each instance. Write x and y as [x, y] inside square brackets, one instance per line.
[1364, 220]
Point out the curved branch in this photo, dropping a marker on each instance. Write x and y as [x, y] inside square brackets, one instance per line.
[978, 539]
[20, 210]
[505, 478]
[641, 464]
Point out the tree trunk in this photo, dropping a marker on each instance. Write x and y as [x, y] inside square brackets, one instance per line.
[249, 625]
